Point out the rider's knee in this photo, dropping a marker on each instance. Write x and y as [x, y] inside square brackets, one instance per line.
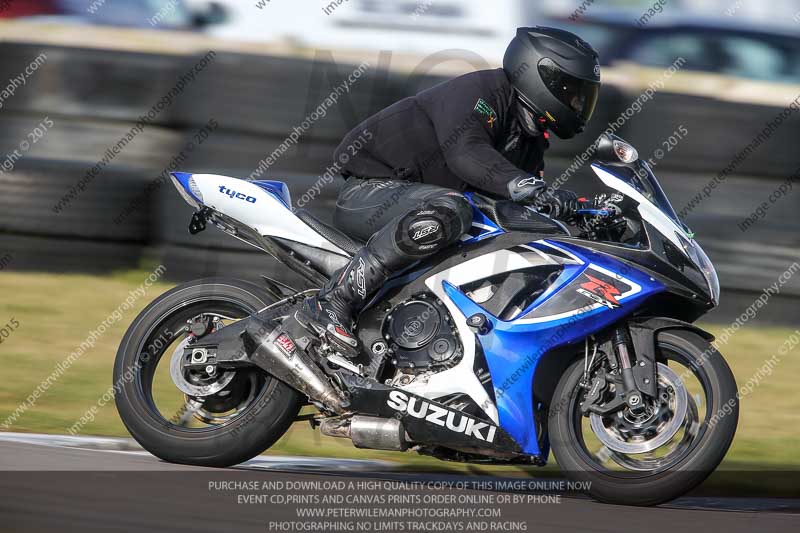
[456, 211]
[435, 224]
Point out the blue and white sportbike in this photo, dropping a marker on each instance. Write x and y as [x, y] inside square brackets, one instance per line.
[522, 337]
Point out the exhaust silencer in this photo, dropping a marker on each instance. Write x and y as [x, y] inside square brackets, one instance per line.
[368, 432]
[274, 350]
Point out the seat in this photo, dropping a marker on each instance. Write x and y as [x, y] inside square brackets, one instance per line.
[511, 216]
[346, 243]
[323, 261]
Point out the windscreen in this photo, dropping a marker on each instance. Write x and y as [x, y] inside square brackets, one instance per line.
[639, 176]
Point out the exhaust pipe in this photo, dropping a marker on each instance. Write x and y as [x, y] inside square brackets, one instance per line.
[368, 432]
[274, 350]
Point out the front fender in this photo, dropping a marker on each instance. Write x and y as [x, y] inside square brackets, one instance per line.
[657, 323]
[644, 334]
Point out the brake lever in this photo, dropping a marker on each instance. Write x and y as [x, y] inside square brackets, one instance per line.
[594, 212]
[597, 216]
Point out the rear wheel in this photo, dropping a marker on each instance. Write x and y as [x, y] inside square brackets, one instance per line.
[198, 415]
[667, 449]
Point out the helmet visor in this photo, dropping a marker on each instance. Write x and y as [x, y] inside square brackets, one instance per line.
[578, 94]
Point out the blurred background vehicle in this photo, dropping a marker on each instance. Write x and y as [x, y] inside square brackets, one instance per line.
[169, 14]
[224, 85]
[711, 45]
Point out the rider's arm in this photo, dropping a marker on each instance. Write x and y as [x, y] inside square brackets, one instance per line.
[466, 125]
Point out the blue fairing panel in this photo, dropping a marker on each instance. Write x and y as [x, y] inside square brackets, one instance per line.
[514, 348]
[482, 226]
[183, 179]
[277, 189]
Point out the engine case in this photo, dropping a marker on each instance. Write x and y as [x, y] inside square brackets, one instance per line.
[420, 334]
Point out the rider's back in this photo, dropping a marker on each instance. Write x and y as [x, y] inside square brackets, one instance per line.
[430, 137]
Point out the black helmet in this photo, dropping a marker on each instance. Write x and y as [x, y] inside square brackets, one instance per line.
[556, 76]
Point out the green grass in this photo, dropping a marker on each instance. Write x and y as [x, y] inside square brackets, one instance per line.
[57, 312]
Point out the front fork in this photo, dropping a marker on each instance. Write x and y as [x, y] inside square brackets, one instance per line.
[631, 358]
[640, 335]
[620, 340]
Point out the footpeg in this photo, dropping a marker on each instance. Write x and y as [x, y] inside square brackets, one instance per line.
[331, 339]
[347, 365]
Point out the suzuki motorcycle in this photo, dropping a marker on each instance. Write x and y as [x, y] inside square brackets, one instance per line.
[522, 337]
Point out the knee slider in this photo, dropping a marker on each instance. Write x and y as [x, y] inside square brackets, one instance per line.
[456, 213]
[434, 225]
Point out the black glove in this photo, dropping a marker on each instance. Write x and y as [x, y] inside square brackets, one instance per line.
[525, 189]
[554, 203]
[557, 203]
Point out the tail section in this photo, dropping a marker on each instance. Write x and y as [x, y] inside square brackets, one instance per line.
[265, 206]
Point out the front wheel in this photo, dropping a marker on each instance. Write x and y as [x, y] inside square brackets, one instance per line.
[654, 456]
[199, 415]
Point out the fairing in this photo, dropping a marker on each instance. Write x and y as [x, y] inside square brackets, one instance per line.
[640, 184]
[514, 348]
[594, 288]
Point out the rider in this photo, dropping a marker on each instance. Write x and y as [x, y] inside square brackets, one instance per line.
[407, 165]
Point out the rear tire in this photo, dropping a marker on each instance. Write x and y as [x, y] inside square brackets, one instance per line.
[257, 428]
[642, 488]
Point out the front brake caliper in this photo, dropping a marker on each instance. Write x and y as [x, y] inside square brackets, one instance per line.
[595, 402]
[596, 391]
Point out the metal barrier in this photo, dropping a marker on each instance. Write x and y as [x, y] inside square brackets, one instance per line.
[96, 98]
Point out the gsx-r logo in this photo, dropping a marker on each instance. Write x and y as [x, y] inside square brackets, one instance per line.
[237, 195]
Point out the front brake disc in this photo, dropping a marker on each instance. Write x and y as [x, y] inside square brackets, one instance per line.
[614, 440]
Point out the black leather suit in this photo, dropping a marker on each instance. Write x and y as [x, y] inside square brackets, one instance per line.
[407, 165]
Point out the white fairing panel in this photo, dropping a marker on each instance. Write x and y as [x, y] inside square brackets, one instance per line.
[250, 204]
[461, 379]
[647, 209]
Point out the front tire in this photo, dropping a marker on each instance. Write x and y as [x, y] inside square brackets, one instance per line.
[268, 406]
[628, 481]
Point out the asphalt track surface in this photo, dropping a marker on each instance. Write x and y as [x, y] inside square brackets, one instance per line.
[66, 484]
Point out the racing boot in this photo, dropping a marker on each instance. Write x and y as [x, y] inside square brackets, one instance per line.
[331, 311]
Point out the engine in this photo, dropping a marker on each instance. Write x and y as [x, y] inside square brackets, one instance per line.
[421, 335]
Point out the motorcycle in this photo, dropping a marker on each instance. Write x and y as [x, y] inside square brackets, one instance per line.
[519, 339]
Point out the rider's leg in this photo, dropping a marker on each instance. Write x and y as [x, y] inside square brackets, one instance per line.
[425, 219]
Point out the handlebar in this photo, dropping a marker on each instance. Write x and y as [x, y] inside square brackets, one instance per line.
[601, 218]
[594, 212]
